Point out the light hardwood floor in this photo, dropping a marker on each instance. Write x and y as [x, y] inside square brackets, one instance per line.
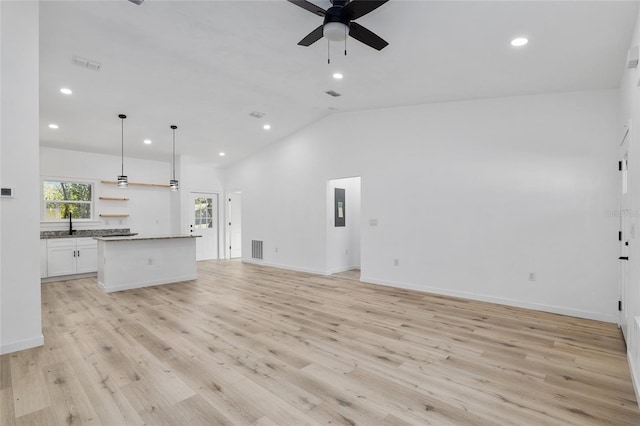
[250, 345]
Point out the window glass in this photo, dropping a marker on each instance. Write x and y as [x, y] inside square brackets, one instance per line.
[64, 198]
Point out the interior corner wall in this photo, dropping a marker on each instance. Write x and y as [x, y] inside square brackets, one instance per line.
[470, 197]
[20, 314]
[630, 115]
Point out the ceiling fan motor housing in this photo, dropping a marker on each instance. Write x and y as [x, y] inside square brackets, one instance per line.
[336, 23]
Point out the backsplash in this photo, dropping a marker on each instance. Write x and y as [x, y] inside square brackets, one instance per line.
[44, 235]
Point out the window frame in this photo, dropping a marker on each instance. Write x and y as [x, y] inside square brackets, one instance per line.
[43, 202]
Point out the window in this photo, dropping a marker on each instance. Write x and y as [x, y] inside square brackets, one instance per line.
[203, 213]
[62, 198]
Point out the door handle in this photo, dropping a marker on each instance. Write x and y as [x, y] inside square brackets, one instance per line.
[623, 258]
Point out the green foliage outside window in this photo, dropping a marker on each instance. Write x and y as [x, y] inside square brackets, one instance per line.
[62, 198]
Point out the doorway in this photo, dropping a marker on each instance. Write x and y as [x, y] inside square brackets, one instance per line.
[234, 225]
[344, 222]
[626, 232]
[203, 221]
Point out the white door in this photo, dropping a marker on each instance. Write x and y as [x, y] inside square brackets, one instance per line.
[235, 225]
[204, 222]
[625, 234]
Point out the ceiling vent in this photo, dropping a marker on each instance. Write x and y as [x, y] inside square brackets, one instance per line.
[85, 63]
[256, 114]
[332, 93]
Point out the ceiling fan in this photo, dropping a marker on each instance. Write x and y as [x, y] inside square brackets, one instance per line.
[338, 22]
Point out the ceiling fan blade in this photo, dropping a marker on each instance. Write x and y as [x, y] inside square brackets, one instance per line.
[309, 6]
[357, 8]
[312, 37]
[367, 37]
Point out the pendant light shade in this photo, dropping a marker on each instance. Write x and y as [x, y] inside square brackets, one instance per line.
[123, 181]
[173, 183]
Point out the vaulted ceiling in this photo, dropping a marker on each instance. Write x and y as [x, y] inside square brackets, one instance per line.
[207, 65]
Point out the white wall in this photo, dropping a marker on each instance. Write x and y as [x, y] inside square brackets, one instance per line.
[343, 243]
[198, 177]
[630, 111]
[20, 315]
[149, 208]
[469, 196]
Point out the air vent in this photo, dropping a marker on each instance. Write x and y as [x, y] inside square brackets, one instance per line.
[256, 114]
[256, 249]
[85, 63]
[332, 93]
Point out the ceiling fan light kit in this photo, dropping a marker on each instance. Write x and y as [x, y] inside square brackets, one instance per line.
[338, 22]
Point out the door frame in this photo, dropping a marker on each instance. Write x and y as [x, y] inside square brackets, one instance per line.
[227, 223]
[625, 228]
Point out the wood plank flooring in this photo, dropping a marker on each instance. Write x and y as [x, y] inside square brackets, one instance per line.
[250, 345]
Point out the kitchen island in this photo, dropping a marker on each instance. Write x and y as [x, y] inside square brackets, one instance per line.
[128, 262]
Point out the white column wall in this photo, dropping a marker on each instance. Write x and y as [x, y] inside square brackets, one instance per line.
[20, 315]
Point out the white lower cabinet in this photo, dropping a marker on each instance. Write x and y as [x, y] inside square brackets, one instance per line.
[68, 256]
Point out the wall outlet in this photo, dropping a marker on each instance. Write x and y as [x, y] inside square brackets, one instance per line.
[373, 222]
[150, 261]
[276, 249]
[532, 276]
[396, 262]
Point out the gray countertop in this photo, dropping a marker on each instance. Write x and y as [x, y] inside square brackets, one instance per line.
[83, 233]
[143, 237]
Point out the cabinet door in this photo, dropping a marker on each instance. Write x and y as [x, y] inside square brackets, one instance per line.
[87, 257]
[61, 259]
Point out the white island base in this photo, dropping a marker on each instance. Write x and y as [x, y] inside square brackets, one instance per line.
[138, 261]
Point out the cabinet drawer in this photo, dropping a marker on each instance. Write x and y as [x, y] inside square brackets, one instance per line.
[61, 242]
[86, 242]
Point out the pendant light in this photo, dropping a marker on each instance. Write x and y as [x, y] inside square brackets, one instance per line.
[173, 183]
[123, 182]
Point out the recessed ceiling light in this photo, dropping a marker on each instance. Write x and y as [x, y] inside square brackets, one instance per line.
[147, 141]
[222, 154]
[520, 41]
[66, 91]
[267, 126]
[53, 126]
[338, 76]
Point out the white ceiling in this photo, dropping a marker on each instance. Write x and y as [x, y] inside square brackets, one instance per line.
[206, 65]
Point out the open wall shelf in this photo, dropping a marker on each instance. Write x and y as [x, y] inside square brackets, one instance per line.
[158, 185]
[114, 198]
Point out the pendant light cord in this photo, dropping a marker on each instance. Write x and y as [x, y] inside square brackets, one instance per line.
[174, 154]
[122, 139]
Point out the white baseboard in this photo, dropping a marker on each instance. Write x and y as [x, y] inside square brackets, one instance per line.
[499, 300]
[22, 345]
[343, 269]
